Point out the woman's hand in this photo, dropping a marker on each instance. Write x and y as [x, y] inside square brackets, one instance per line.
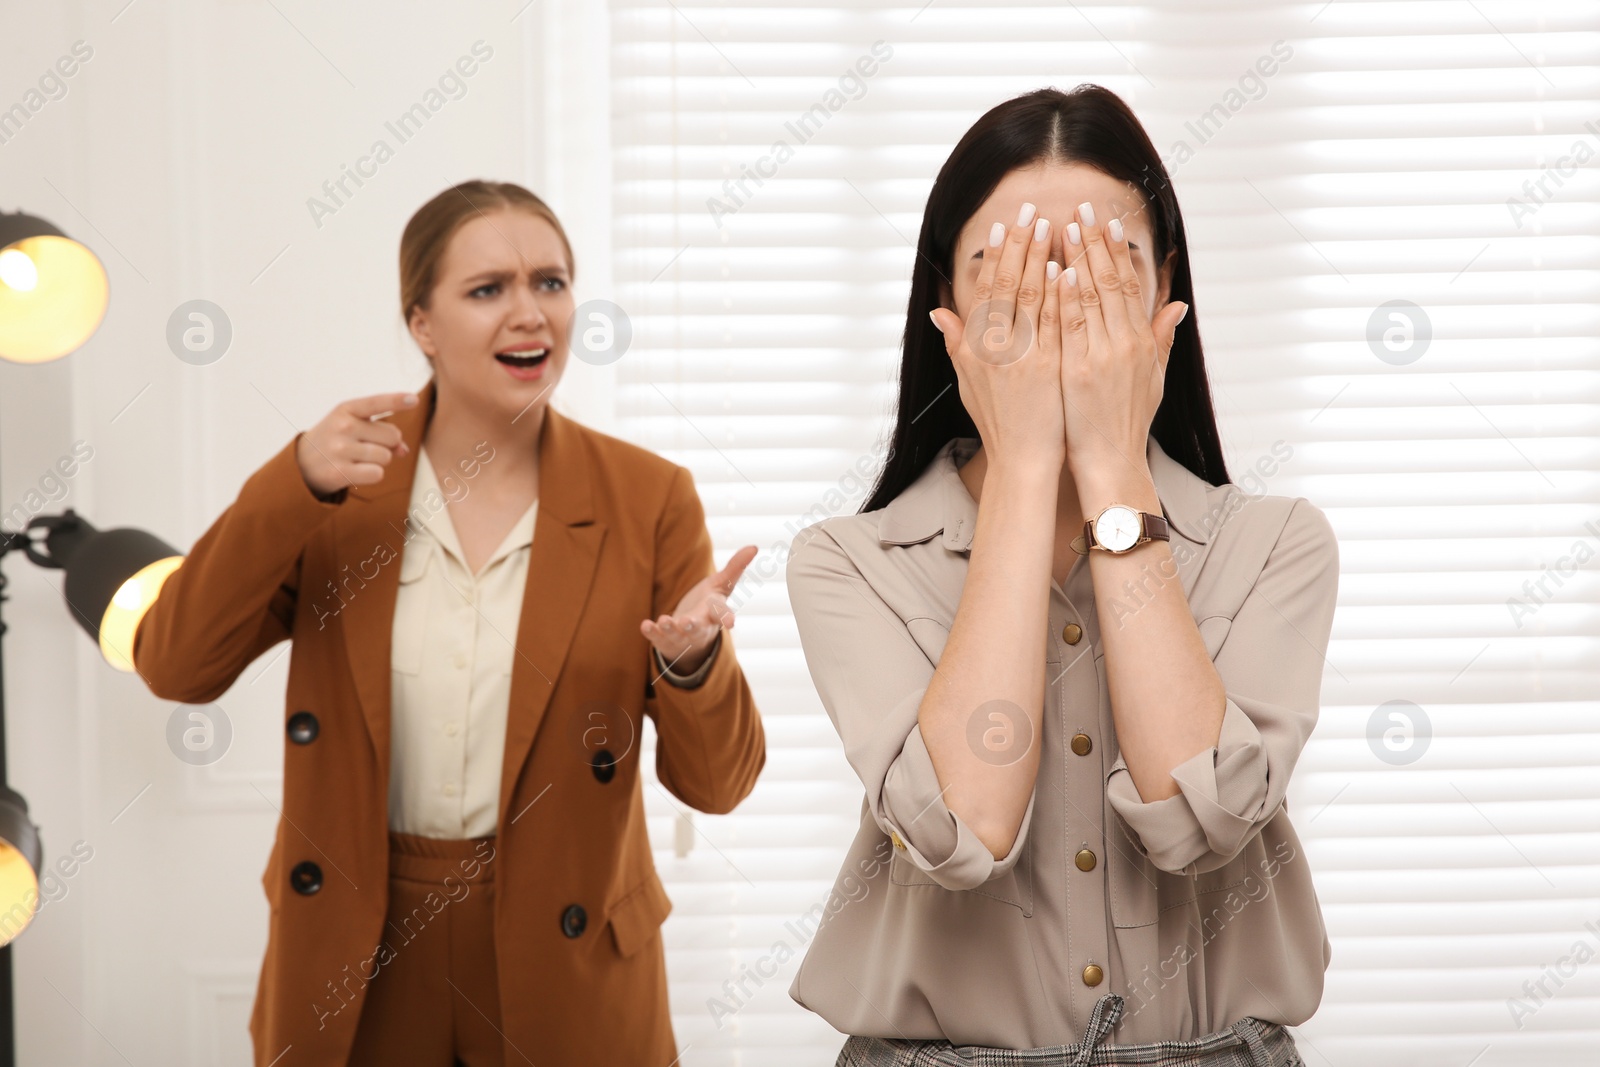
[1113, 355]
[684, 638]
[1007, 352]
[348, 448]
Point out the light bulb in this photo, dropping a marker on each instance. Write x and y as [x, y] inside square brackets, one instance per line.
[17, 270]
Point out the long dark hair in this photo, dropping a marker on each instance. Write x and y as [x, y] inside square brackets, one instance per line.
[1089, 125]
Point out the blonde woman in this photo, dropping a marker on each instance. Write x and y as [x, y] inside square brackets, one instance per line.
[485, 598]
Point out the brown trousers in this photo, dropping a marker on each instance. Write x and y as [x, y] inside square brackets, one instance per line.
[435, 1001]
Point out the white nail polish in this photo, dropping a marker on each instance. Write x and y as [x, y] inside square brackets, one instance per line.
[1051, 269]
[997, 233]
[1072, 276]
[1025, 216]
[1041, 229]
[1114, 228]
[1074, 234]
[1086, 210]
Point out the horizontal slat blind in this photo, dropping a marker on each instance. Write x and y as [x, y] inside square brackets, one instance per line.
[1382, 160]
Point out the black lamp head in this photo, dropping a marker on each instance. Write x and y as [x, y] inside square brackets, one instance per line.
[112, 576]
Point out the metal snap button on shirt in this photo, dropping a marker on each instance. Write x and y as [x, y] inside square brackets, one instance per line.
[306, 878]
[573, 920]
[1071, 633]
[1081, 744]
[1092, 974]
[1084, 860]
[303, 727]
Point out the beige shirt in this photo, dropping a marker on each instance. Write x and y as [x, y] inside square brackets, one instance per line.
[1198, 909]
[450, 662]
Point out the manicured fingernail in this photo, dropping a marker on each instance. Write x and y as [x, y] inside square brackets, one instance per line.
[410, 398]
[1114, 228]
[1051, 269]
[1025, 216]
[1041, 229]
[1074, 234]
[934, 320]
[1072, 276]
[997, 233]
[1086, 211]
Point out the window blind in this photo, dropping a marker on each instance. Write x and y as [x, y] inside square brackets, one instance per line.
[1396, 279]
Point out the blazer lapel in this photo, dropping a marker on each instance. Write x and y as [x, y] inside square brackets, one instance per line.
[370, 541]
[561, 570]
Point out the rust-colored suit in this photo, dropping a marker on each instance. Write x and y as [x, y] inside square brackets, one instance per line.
[620, 537]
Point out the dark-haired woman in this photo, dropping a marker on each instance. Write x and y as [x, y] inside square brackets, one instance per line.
[485, 598]
[1072, 663]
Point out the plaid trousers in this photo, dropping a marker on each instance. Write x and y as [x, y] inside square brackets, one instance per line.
[1249, 1042]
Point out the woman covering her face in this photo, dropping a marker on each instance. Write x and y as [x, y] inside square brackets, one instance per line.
[1071, 662]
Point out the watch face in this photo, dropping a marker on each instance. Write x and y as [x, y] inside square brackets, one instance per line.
[1117, 528]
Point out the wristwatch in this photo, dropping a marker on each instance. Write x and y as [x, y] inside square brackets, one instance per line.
[1119, 528]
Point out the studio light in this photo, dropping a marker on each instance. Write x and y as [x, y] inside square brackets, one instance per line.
[53, 294]
[53, 291]
[112, 576]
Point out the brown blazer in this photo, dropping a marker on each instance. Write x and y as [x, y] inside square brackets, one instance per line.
[620, 536]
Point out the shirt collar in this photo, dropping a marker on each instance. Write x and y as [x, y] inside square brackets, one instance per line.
[938, 499]
[427, 507]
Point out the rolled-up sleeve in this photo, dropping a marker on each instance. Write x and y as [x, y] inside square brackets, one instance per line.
[871, 675]
[1271, 666]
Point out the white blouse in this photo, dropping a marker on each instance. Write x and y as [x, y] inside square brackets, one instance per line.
[450, 668]
[453, 645]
